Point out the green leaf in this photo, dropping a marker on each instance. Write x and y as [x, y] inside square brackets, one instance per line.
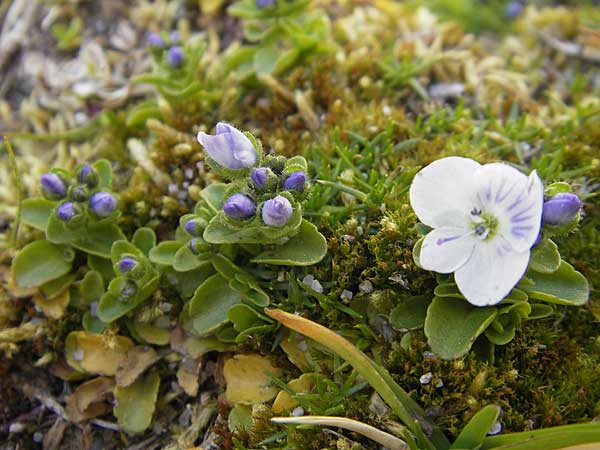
[164, 253]
[35, 212]
[98, 239]
[92, 324]
[240, 418]
[144, 239]
[562, 437]
[410, 313]
[224, 266]
[112, 306]
[103, 266]
[475, 431]
[566, 286]
[186, 260]
[123, 247]
[58, 232]
[40, 262]
[214, 196]
[136, 403]
[210, 303]
[186, 283]
[265, 59]
[243, 317]
[540, 311]
[545, 257]
[452, 325]
[55, 287]
[449, 290]
[91, 287]
[104, 169]
[306, 248]
[220, 230]
[502, 330]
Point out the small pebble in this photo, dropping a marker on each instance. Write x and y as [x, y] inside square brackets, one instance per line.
[298, 411]
[439, 384]
[310, 281]
[38, 437]
[426, 378]
[346, 295]
[366, 287]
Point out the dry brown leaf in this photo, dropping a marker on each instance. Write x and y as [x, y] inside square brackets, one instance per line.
[247, 380]
[55, 434]
[54, 307]
[136, 361]
[187, 375]
[95, 353]
[87, 401]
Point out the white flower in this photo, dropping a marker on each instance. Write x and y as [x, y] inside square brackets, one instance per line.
[485, 219]
[229, 147]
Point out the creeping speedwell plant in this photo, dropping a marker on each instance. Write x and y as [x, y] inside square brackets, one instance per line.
[489, 227]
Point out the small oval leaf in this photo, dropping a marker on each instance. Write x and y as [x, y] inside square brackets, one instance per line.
[40, 262]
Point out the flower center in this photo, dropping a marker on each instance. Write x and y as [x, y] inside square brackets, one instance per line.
[484, 225]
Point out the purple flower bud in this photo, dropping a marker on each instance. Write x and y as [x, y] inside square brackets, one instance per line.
[198, 245]
[175, 56]
[103, 204]
[513, 9]
[259, 176]
[296, 181]
[53, 187]
[155, 40]
[174, 36]
[195, 227]
[87, 175]
[66, 211]
[239, 207]
[229, 147]
[265, 3]
[277, 211]
[127, 264]
[561, 209]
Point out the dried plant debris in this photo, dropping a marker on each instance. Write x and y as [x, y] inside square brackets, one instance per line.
[216, 213]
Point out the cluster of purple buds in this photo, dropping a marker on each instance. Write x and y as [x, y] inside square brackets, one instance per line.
[175, 55]
[54, 187]
[561, 209]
